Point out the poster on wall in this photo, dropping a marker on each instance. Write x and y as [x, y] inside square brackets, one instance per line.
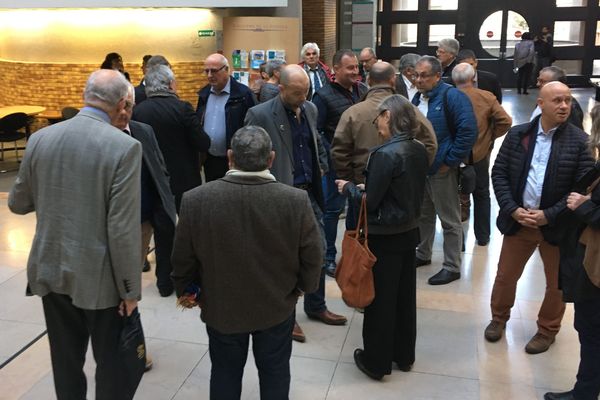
[362, 24]
[257, 57]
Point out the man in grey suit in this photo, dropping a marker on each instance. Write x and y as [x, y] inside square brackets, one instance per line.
[291, 122]
[82, 179]
[261, 252]
[158, 204]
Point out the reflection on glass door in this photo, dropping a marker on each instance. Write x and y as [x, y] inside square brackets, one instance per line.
[491, 33]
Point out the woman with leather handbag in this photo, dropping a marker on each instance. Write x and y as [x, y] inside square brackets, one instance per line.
[395, 181]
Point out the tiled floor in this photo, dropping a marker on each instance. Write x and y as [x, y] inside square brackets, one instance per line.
[453, 359]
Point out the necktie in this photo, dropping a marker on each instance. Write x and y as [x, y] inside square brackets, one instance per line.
[317, 84]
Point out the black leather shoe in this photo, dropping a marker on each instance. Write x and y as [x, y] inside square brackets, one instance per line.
[404, 367]
[483, 242]
[443, 277]
[146, 265]
[330, 268]
[420, 262]
[559, 396]
[165, 291]
[358, 354]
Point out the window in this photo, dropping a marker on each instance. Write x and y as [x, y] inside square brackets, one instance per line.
[570, 66]
[378, 35]
[569, 33]
[405, 5]
[571, 3]
[404, 35]
[596, 68]
[443, 4]
[491, 29]
[598, 33]
[437, 32]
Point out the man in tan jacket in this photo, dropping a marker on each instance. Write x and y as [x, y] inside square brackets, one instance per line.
[492, 123]
[355, 134]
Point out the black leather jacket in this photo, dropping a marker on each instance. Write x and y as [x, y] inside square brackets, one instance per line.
[395, 184]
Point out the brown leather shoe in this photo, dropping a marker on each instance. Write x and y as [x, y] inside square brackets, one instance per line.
[539, 343]
[329, 318]
[298, 334]
[494, 330]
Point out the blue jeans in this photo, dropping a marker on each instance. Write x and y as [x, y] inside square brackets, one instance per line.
[272, 349]
[314, 303]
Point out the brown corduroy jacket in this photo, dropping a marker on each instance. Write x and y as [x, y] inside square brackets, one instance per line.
[356, 135]
[492, 120]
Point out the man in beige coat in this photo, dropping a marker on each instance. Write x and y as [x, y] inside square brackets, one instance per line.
[492, 122]
[81, 177]
[356, 135]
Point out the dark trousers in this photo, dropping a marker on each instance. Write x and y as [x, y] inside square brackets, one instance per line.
[164, 232]
[334, 205]
[523, 77]
[69, 330]
[587, 323]
[272, 349]
[315, 302]
[481, 200]
[390, 321]
[215, 167]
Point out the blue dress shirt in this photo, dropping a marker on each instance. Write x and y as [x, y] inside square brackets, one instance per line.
[214, 120]
[537, 170]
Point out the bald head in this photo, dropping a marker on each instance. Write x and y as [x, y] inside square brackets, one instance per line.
[463, 74]
[382, 73]
[555, 102]
[105, 89]
[293, 85]
[216, 69]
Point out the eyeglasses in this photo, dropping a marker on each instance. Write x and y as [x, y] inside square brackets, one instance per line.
[377, 117]
[422, 75]
[129, 105]
[213, 70]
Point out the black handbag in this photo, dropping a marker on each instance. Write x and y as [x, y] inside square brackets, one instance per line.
[132, 354]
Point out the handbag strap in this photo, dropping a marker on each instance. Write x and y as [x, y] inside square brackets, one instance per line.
[362, 217]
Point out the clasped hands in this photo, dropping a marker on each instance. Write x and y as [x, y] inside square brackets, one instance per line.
[342, 183]
[530, 218]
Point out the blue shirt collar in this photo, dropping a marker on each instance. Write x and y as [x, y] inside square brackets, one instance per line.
[226, 89]
[100, 113]
[540, 131]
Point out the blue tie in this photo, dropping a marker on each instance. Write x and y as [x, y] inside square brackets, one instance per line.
[316, 80]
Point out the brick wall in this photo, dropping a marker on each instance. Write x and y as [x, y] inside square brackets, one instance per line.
[319, 26]
[55, 86]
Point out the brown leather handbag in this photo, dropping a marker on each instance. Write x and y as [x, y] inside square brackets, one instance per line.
[354, 272]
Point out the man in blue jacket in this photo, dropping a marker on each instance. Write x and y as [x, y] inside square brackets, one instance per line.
[222, 107]
[451, 114]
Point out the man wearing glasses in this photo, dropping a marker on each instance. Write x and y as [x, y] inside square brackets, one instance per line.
[222, 107]
[451, 114]
[366, 59]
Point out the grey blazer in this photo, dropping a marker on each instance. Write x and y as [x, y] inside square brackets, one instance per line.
[155, 163]
[272, 116]
[82, 179]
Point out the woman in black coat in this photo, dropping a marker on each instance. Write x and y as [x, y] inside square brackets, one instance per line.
[575, 280]
[395, 182]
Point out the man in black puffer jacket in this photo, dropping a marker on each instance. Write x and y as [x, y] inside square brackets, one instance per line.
[535, 170]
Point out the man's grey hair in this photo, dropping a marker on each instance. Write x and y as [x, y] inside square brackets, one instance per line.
[158, 79]
[558, 74]
[402, 115]
[450, 45]
[251, 147]
[157, 60]
[274, 66]
[105, 91]
[131, 90]
[370, 50]
[436, 65]
[310, 46]
[408, 60]
[463, 73]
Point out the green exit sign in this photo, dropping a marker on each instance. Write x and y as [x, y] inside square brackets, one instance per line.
[206, 33]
